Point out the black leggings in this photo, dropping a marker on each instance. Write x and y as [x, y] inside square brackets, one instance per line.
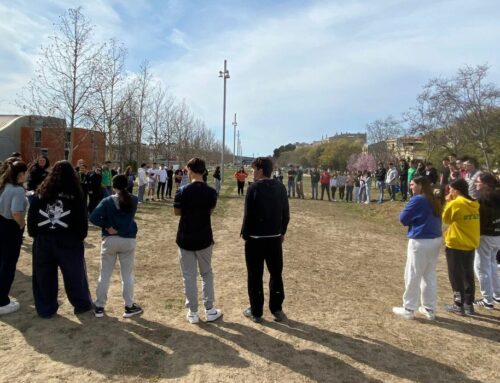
[241, 187]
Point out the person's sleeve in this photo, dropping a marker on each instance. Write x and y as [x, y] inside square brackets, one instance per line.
[285, 215]
[32, 214]
[247, 218]
[98, 216]
[214, 200]
[407, 215]
[18, 203]
[447, 213]
[178, 199]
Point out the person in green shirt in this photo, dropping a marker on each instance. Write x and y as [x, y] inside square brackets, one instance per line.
[411, 173]
[106, 179]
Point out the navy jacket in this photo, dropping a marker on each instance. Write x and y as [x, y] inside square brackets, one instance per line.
[107, 214]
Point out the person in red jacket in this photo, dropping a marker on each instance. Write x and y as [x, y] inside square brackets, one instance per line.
[241, 176]
[324, 180]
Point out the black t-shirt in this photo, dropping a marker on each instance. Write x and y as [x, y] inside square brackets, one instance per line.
[196, 201]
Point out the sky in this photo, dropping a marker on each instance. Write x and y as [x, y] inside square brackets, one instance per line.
[299, 70]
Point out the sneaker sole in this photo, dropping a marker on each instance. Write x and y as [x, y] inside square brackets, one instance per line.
[426, 314]
[99, 315]
[209, 319]
[129, 315]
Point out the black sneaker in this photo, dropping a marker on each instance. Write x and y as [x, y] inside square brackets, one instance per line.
[248, 313]
[279, 316]
[99, 312]
[81, 310]
[132, 310]
[469, 310]
[455, 309]
[483, 303]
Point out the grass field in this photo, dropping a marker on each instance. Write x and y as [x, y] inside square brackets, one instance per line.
[343, 273]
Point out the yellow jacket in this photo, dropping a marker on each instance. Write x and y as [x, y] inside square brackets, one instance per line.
[462, 216]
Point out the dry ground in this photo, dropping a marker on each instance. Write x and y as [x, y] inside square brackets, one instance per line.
[343, 273]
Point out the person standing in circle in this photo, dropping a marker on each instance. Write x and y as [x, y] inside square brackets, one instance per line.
[13, 204]
[115, 215]
[57, 221]
[264, 227]
[194, 203]
[462, 237]
[422, 215]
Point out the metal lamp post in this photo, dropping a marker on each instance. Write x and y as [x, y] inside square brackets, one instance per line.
[225, 75]
[235, 124]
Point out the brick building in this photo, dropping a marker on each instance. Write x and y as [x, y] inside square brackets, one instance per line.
[35, 135]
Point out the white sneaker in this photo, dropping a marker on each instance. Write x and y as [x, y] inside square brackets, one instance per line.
[403, 313]
[9, 308]
[429, 314]
[192, 317]
[213, 314]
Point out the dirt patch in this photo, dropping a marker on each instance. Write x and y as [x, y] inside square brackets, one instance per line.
[343, 273]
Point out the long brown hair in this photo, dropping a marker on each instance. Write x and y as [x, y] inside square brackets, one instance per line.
[427, 192]
[62, 179]
[11, 173]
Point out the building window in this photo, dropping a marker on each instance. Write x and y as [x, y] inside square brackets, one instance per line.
[37, 141]
[44, 152]
[66, 154]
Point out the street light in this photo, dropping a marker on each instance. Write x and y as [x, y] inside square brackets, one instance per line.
[235, 124]
[225, 75]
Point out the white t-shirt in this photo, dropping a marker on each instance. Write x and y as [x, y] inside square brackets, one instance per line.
[162, 175]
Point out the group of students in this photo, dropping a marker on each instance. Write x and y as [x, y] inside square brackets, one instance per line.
[57, 220]
[472, 242]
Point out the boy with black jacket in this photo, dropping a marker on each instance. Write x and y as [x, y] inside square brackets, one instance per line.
[264, 227]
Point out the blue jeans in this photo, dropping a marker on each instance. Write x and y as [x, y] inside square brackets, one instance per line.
[380, 188]
[291, 188]
[314, 190]
[140, 193]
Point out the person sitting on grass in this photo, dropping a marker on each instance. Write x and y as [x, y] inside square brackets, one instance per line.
[422, 215]
[115, 215]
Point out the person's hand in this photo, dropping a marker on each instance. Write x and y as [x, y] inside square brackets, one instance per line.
[111, 231]
[448, 197]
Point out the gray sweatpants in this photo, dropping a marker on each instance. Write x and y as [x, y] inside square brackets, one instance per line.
[189, 261]
[113, 247]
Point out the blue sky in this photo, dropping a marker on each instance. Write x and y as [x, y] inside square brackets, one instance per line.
[299, 69]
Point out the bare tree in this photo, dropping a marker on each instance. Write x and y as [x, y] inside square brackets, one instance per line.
[474, 100]
[65, 74]
[378, 132]
[109, 98]
[141, 102]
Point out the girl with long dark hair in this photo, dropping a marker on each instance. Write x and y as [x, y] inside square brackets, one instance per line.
[422, 215]
[485, 264]
[461, 214]
[38, 172]
[115, 215]
[57, 221]
[13, 205]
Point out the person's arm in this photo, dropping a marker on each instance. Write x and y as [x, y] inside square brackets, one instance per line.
[98, 216]
[32, 212]
[408, 214]
[247, 214]
[178, 203]
[285, 215]
[448, 213]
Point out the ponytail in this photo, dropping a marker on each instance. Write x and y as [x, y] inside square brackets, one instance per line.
[125, 201]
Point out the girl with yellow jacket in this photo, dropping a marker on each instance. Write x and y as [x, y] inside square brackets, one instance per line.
[461, 213]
